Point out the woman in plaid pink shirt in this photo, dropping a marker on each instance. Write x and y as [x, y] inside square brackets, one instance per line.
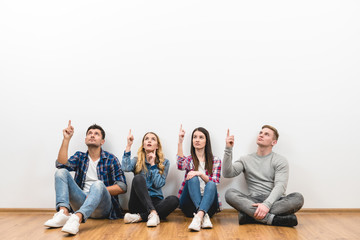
[198, 194]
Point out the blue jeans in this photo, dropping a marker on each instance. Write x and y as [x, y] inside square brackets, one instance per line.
[191, 200]
[95, 204]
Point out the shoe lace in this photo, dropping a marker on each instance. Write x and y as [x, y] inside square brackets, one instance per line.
[151, 215]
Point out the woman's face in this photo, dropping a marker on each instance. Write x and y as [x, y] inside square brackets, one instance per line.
[199, 140]
[150, 142]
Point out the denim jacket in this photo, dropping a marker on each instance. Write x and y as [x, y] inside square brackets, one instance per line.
[154, 180]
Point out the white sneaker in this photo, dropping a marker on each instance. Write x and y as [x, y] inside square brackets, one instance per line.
[195, 223]
[132, 218]
[72, 225]
[58, 220]
[153, 220]
[206, 223]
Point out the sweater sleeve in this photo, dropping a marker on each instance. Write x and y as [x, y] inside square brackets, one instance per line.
[231, 169]
[280, 181]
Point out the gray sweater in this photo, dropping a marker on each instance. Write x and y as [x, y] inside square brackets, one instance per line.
[267, 175]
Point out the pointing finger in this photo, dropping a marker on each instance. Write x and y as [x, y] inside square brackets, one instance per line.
[69, 125]
[228, 133]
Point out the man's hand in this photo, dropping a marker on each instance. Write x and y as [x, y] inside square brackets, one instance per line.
[130, 139]
[69, 131]
[192, 174]
[151, 157]
[261, 211]
[229, 140]
[181, 134]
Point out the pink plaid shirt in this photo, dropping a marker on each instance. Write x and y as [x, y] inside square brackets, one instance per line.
[186, 163]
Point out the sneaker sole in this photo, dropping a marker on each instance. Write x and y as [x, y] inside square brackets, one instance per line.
[206, 227]
[69, 231]
[152, 225]
[195, 230]
[53, 226]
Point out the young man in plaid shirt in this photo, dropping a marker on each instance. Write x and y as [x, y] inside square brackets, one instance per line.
[94, 190]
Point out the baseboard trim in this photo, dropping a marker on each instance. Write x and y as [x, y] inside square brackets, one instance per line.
[27, 210]
[229, 210]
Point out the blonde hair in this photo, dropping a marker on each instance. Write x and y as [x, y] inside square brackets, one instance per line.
[140, 164]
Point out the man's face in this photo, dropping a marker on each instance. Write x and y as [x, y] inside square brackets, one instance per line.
[94, 138]
[266, 138]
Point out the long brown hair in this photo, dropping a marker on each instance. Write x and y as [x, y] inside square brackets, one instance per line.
[140, 164]
[209, 157]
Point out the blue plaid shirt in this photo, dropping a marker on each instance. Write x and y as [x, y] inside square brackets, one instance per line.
[108, 170]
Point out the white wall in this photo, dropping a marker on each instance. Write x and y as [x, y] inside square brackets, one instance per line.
[151, 65]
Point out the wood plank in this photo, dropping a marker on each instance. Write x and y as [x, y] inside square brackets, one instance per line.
[312, 225]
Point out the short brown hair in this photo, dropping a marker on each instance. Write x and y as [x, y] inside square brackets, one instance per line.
[95, 126]
[276, 133]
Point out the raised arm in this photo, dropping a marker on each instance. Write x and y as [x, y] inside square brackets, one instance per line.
[230, 169]
[128, 165]
[130, 140]
[180, 152]
[63, 152]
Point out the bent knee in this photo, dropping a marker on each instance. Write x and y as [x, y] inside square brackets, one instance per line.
[138, 179]
[98, 184]
[229, 194]
[61, 173]
[299, 199]
[193, 180]
[211, 184]
[174, 201]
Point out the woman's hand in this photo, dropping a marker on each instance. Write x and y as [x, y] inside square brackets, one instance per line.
[130, 140]
[181, 134]
[151, 157]
[192, 174]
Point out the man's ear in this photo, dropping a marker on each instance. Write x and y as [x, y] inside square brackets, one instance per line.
[274, 142]
[102, 142]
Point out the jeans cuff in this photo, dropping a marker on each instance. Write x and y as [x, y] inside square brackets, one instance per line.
[84, 218]
[63, 205]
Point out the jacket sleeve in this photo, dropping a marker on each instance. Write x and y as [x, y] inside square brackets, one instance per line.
[158, 180]
[128, 164]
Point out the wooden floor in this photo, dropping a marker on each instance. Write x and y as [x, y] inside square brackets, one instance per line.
[312, 225]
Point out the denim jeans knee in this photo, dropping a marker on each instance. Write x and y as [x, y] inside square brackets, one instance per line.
[62, 173]
[194, 180]
[98, 185]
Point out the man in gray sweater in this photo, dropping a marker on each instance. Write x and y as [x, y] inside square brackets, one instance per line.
[267, 175]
